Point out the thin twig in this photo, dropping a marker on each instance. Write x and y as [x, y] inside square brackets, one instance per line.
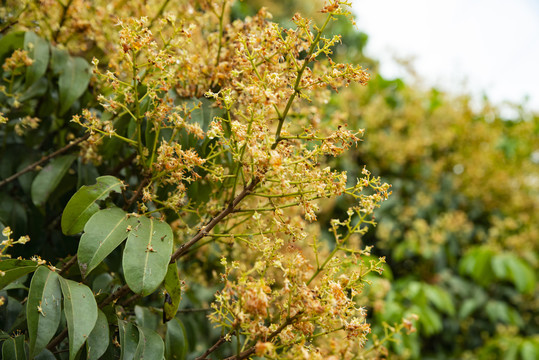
[131, 299]
[182, 250]
[245, 354]
[136, 194]
[44, 159]
[68, 265]
[57, 340]
[215, 346]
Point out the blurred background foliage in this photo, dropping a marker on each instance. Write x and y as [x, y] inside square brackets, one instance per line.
[461, 230]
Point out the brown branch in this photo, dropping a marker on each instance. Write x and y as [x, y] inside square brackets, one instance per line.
[182, 250]
[57, 340]
[68, 265]
[65, 8]
[123, 164]
[136, 194]
[135, 297]
[44, 159]
[245, 354]
[114, 296]
[214, 347]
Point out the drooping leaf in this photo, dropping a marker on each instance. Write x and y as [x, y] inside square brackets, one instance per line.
[49, 177]
[150, 345]
[83, 204]
[173, 292]
[43, 309]
[105, 230]
[12, 269]
[80, 310]
[175, 341]
[38, 51]
[73, 82]
[129, 337]
[13, 348]
[146, 255]
[99, 338]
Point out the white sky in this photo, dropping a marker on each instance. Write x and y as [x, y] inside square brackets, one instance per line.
[479, 46]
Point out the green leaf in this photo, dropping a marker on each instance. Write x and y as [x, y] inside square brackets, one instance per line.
[9, 43]
[440, 298]
[45, 355]
[99, 337]
[80, 311]
[173, 294]
[43, 309]
[37, 89]
[521, 274]
[73, 81]
[150, 345]
[468, 307]
[129, 336]
[84, 203]
[146, 318]
[38, 50]
[430, 320]
[146, 255]
[529, 350]
[59, 60]
[175, 341]
[498, 311]
[105, 230]
[49, 177]
[13, 349]
[12, 269]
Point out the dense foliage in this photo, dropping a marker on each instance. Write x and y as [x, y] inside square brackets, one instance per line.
[181, 180]
[199, 172]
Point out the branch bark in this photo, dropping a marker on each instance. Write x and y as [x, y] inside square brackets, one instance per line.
[44, 159]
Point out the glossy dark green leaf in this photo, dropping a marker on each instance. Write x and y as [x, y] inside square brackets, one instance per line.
[146, 255]
[129, 337]
[13, 349]
[83, 204]
[80, 311]
[150, 345]
[39, 52]
[49, 177]
[99, 338]
[105, 230]
[43, 309]
[173, 292]
[12, 269]
[175, 341]
[73, 81]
